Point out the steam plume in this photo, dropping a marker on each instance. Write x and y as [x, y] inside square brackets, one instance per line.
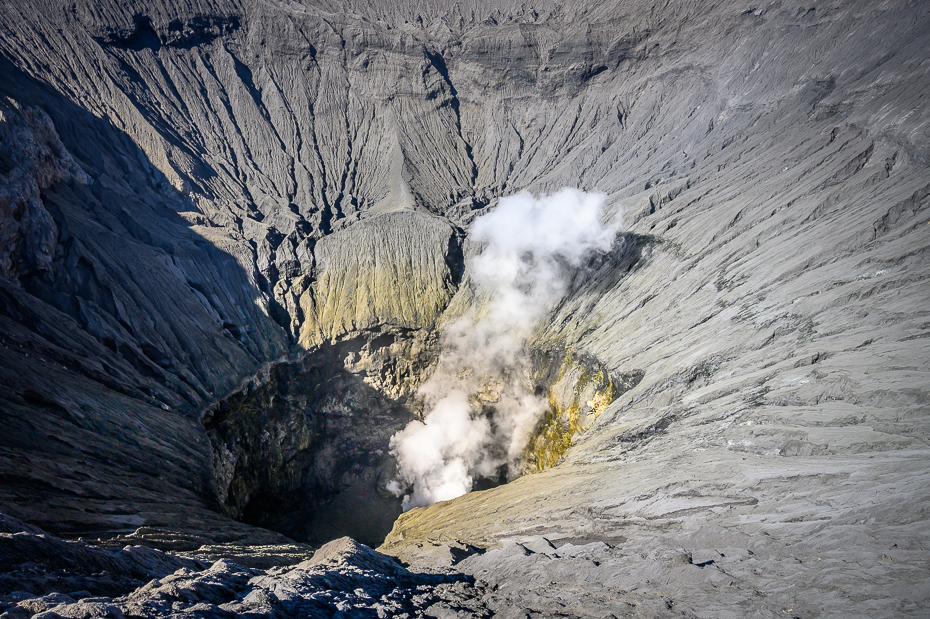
[479, 413]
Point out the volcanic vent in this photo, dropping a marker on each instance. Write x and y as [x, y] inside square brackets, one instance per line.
[391, 417]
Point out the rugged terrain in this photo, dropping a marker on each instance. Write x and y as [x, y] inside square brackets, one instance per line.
[231, 232]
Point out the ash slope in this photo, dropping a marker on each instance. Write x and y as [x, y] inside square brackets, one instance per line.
[772, 460]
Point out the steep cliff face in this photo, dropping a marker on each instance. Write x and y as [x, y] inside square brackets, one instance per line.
[195, 194]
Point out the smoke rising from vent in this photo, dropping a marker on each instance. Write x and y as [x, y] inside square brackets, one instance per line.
[480, 414]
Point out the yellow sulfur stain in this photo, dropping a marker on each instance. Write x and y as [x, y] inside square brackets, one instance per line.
[568, 417]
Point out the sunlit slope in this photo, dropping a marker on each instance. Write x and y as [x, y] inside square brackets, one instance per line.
[778, 440]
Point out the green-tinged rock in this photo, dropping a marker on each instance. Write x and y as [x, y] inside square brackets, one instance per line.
[399, 269]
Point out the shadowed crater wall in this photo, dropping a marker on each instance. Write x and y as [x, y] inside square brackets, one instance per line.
[305, 451]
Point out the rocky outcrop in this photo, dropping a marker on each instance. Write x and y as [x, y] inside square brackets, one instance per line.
[341, 577]
[37, 563]
[399, 269]
[33, 159]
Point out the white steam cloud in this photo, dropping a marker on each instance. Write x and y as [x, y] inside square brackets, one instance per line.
[479, 413]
